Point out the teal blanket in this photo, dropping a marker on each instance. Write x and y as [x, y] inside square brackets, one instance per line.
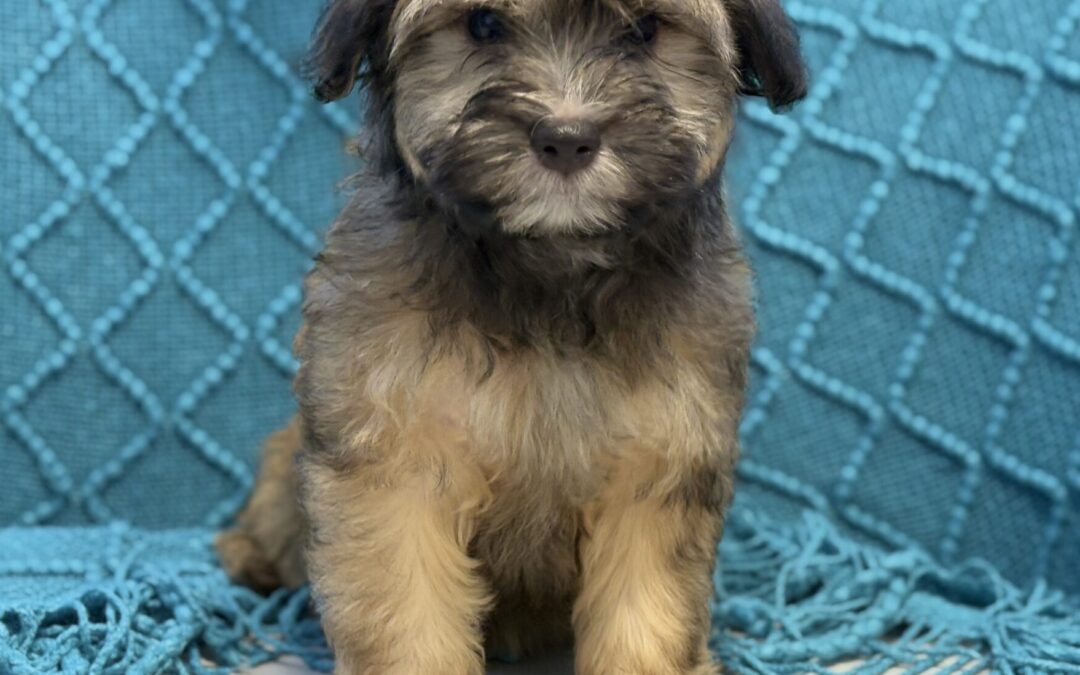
[910, 489]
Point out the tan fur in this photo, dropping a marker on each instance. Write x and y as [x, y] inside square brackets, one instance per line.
[395, 556]
[436, 84]
[646, 566]
[514, 438]
[265, 549]
[457, 485]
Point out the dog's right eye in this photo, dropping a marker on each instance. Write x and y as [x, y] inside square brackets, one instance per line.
[485, 26]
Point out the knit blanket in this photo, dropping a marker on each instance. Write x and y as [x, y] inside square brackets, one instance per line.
[910, 488]
[793, 598]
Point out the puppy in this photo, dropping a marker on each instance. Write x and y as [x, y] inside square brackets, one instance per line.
[525, 344]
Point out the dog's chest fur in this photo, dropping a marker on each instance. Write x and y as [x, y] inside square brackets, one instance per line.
[523, 385]
[532, 418]
[420, 351]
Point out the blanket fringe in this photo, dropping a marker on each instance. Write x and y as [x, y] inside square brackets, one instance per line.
[806, 597]
[791, 598]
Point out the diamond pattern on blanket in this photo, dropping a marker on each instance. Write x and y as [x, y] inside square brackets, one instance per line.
[166, 176]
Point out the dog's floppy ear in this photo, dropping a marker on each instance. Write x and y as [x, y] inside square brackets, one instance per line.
[350, 42]
[770, 62]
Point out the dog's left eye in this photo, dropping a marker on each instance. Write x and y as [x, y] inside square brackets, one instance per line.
[485, 26]
[644, 31]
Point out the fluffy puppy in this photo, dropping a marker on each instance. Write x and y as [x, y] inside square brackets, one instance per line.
[525, 344]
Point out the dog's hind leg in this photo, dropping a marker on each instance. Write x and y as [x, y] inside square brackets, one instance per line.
[264, 550]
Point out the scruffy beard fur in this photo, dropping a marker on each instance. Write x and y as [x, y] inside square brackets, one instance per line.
[464, 111]
[519, 390]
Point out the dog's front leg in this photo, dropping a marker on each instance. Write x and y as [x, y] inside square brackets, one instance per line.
[647, 559]
[398, 592]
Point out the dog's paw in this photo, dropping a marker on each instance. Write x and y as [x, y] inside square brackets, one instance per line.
[245, 562]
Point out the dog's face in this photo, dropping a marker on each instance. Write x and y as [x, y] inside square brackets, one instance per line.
[557, 116]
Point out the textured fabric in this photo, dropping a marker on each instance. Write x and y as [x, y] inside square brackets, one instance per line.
[790, 599]
[165, 177]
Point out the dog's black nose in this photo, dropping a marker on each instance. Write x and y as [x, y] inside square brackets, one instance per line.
[566, 146]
